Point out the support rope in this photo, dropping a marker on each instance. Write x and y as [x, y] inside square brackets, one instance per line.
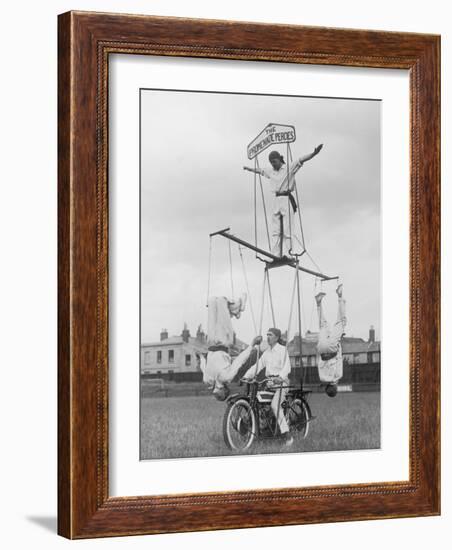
[263, 204]
[314, 292]
[256, 370]
[303, 311]
[289, 324]
[303, 244]
[291, 307]
[299, 217]
[263, 305]
[315, 263]
[255, 204]
[289, 206]
[248, 290]
[289, 217]
[209, 270]
[271, 297]
[299, 326]
[230, 270]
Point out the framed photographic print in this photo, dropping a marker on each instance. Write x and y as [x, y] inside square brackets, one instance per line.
[248, 275]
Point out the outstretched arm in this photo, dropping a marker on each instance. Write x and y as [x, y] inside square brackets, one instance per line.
[255, 171]
[258, 366]
[309, 156]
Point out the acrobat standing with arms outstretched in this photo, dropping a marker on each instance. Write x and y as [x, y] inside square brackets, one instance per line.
[282, 183]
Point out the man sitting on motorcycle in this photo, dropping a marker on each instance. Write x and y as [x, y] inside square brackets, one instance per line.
[275, 360]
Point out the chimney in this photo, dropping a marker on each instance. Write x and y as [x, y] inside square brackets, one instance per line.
[371, 334]
[185, 333]
[200, 334]
[163, 334]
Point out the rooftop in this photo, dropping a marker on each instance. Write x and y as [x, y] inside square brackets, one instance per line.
[199, 341]
[349, 345]
[176, 340]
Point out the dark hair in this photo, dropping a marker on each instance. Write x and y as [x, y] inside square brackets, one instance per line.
[281, 340]
[275, 331]
[331, 390]
[276, 155]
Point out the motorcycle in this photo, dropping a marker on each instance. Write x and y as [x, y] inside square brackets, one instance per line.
[249, 416]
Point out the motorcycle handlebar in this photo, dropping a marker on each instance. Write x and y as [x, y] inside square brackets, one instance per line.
[259, 382]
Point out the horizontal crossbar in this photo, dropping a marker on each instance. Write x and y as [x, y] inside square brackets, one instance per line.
[276, 261]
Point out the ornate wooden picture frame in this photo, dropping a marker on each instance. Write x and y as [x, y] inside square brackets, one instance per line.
[86, 40]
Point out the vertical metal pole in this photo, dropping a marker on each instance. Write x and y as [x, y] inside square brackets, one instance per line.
[230, 270]
[256, 370]
[271, 297]
[289, 205]
[255, 203]
[256, 174]
[287, 165]
[281, 235]
[299, 326]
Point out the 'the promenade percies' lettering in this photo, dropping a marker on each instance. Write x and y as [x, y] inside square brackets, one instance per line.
[272, 134]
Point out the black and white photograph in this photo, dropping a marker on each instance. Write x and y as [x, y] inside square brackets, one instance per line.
[259, 274]
[224, 236]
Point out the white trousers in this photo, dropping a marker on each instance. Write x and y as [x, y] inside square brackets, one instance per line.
[278, 411]
[280, 220]
[219, 326]
[330, 336]
[331, 370]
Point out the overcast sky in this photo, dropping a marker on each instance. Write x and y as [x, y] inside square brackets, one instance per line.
[193, 148]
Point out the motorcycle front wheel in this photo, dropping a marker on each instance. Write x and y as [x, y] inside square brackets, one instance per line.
[239, 425]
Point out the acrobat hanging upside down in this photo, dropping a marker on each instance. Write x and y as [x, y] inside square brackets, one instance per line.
[218, 368]
[329, 349]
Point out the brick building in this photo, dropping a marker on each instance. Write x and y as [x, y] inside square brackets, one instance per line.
[177, 358]
[361, 360]
[174, 355]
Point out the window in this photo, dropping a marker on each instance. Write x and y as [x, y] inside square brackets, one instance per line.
[159, 357]
[187, 360]
[147, 357]
[170, 356]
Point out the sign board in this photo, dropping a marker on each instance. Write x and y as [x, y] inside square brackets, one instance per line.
[272, 134]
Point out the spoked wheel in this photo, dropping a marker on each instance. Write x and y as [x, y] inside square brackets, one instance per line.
[239, 425]
[298, 415]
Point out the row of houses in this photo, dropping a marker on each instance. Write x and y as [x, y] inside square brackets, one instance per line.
[177, 357]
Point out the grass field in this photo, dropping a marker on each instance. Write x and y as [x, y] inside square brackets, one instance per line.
[177, 427]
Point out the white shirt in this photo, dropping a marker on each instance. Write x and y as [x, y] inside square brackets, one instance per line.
[278, 178]
[332, 369]
[276, 362]
[218, 366]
